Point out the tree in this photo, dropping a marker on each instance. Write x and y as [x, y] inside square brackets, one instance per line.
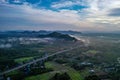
[92, 77]
[59, 76]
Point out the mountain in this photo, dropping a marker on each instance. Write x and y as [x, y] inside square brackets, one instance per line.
[59, 36]
[70, 32]
[26, 33]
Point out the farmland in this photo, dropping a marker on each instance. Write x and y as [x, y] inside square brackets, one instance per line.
[57, 68]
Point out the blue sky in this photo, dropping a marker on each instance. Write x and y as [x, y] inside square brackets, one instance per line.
[79, 15]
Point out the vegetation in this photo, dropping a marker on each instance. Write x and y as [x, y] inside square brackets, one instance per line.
[74, 75]
[59, 36]
[45, 76]
[59, 76]
[24, 59]
[93, 77]
[95, 58]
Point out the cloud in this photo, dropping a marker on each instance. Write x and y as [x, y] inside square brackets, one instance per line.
[3, 1]
[16, 1]
[102, 11]
[96, 16]
[25, 15]
[115, 12]
[66, 3]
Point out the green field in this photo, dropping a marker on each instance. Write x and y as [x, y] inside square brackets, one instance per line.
[58, 68]
[75, 75]
[45, 76]
[13, 73]
[24, 59]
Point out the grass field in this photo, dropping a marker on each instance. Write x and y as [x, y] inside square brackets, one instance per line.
[13, 72]
[75, 75]
[58, 68]
[45, 76]
[24, 59]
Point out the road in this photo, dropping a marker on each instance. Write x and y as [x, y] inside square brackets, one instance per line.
[40, 59]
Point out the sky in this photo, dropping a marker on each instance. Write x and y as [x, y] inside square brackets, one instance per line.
[77, 15]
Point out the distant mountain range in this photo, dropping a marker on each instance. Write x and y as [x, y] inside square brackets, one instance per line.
[32, 33]
[42, 32]
[65, 35]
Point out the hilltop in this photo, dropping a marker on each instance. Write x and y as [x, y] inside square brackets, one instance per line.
[58, 35]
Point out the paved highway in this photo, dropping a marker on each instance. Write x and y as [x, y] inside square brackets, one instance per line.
[40, 59]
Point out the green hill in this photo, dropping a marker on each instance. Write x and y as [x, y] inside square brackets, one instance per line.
[59, 36]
